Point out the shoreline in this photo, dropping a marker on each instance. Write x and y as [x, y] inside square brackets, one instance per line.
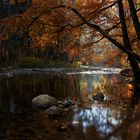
[83, 70]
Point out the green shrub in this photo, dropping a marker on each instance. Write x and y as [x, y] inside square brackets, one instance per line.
[65, 64]
[35, 62]
[77, 64]
[31, 62]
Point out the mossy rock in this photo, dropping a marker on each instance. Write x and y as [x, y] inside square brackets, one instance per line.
[44, 101]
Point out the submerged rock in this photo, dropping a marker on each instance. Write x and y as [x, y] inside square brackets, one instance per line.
[53, 111]
[44, 101]
[99, 97]
[68, 102]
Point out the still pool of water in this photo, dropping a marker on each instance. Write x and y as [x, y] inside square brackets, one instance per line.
[89, 120]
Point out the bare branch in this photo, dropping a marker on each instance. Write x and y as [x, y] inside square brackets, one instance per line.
[111, 5]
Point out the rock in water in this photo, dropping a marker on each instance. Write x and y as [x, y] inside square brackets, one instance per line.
[98, 97]
[68, 102]
[53, 111]
[44, 101]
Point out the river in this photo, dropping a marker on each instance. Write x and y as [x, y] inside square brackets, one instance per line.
[116, 118]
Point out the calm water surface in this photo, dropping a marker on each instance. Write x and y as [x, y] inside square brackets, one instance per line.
[112, 119]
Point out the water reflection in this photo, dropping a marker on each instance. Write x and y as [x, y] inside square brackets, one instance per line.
[16, 94]
[12, 106]
[104, 119]
[112, 86]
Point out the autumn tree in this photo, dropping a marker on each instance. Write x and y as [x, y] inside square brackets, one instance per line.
[125, 46]
[77, 26]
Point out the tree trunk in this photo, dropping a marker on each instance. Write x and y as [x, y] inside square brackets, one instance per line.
[127, 44]
[134, 18]
[135, 67]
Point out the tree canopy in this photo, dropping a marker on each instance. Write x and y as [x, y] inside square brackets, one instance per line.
[87, 29]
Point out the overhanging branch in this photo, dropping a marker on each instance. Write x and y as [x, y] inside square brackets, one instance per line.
[106, 35]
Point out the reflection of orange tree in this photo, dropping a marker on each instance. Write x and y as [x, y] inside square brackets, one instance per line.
[130, 89]
[112, 86]
[117, 87]
[63, 86]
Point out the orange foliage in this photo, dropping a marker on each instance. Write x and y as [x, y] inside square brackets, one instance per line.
[130, 89]
[47, 20]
